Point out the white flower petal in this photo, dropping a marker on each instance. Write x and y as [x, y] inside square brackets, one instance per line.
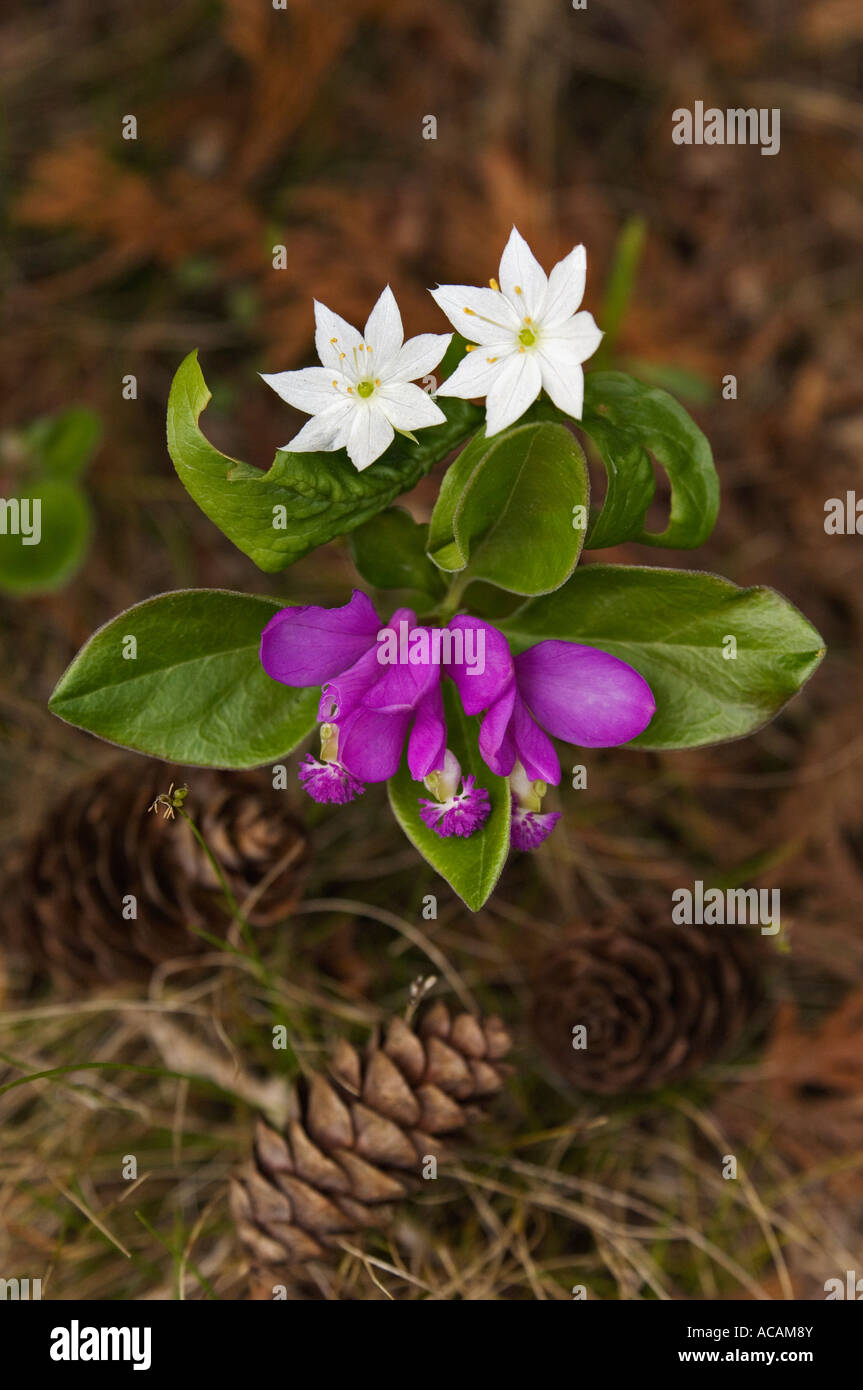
[371, 433]
[578, 338]
[324, 431]
[312, 389]
[419, 356]
[565, 288]
[522, 278]
[408, 407]
[517, 386]
[563, 379]
[334, 336]
[384, 332]
[343, 427]
[483, 316]
[476, 374]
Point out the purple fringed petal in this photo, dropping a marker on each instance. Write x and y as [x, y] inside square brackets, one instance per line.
[481, 689]
[427, 743]
[529, 828]
[583, 695]
[328, 781]
[370, 743]
[462, 814]
[307, 646]
[533, 748]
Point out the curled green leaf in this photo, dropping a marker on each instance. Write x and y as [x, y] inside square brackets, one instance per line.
[304, 500]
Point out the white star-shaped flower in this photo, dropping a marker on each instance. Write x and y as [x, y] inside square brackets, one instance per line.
[527, 335]
[362, 393]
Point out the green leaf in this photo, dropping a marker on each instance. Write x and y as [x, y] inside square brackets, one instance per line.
[443, 548]
[673, 626]
[628, 422]
[471, 866]
[684, 382]
[508, 513]
[304, 500]
[489, 602]
[390, 552]
[195, 692]
[63, 445]
[64, 530]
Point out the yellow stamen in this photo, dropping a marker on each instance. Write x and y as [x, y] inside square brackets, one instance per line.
[335, 383]
[341, 356]
[485, 319]
[335, 340]
[521, 349]
[517, 289]
[528, 319]
[491, 359]
[350, 390]
[494, 284]
[329, 742]
[471, 347]
[377, 381]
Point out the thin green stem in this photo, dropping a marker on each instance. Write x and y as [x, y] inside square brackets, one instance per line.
[452, 598]
[236, 913]
[264, 975]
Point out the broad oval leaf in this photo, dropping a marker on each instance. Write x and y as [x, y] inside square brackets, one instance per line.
[673, 626]
[628, 422]
[320, 495]
[471, 866]
[64, 530]
[195, 691]
[442, 545]
[515, 510]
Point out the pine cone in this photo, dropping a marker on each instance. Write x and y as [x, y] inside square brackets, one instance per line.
[360, 1137]
[657, 1004]
[65, 893]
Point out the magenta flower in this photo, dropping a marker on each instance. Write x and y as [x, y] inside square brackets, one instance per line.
[573, 692]
[458, 810]
[371, 703]
[369, 707]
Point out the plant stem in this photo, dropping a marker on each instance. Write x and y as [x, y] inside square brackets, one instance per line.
[452, 597]
[264, 974]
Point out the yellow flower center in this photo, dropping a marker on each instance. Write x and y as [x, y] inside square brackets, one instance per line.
[365, 389]
[527, 337]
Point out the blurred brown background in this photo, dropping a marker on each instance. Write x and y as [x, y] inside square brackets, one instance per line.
[304, 127]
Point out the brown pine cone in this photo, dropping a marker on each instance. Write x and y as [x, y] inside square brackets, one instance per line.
[657, 1003]
[360, 1137]
[65, 892]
